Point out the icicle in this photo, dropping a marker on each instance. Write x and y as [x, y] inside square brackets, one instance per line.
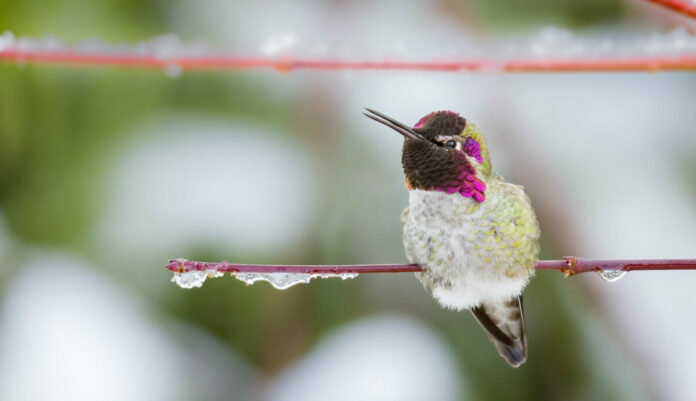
[281, 281]
[195, 278]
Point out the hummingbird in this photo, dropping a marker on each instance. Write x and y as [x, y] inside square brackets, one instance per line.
[475, 235]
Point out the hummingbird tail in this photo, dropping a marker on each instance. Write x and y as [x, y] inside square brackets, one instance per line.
[504, 323]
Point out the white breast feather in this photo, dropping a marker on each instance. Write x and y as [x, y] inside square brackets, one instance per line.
[440, 235]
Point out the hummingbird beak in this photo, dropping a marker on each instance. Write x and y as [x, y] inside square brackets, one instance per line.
[401, 128]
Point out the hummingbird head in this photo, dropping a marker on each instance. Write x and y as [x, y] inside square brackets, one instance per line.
[442, 152]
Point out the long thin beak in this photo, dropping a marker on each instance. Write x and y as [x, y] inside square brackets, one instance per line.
[401, 128]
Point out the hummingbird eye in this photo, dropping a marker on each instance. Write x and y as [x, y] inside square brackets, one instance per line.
[450, 144]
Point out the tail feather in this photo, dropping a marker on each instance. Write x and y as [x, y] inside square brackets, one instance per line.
[504, 323]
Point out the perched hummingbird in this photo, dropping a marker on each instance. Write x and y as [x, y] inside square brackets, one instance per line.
[475, 235]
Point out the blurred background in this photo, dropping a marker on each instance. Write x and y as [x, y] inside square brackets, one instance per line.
[107, 173]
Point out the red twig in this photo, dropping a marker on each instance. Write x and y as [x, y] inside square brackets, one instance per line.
[680, 6]
[686, 62]
[572, 265]
[569, 266]
[183, 265]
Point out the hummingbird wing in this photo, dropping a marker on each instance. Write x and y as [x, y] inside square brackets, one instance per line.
[504, 323]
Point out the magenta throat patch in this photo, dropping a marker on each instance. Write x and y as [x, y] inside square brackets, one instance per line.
[467, 183]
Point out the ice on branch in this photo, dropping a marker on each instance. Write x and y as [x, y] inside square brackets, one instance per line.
[282, 281]
[194, 278]
[7, 40]
[551, 49]
[163, 47]
[557, 43]
[277, 43]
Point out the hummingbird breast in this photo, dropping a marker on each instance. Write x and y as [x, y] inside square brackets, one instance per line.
[472, 252]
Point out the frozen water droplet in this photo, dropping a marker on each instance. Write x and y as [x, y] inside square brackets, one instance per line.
[277, 43]
[173, 70]
[189, 279]
[52, 44]
[282, 281]
[195, 278]
[7, 40]
[611, 276]
[165, 46]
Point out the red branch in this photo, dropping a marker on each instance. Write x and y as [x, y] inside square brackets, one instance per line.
[686, 62]
[680, 6]
[569, 266]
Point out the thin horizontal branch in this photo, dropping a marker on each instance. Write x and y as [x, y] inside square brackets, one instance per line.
[183, 265]
[569, 266]
[680, 6]
[650, 64]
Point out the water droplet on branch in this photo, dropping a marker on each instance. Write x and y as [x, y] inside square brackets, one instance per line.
[611, 276]
[173, 70]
